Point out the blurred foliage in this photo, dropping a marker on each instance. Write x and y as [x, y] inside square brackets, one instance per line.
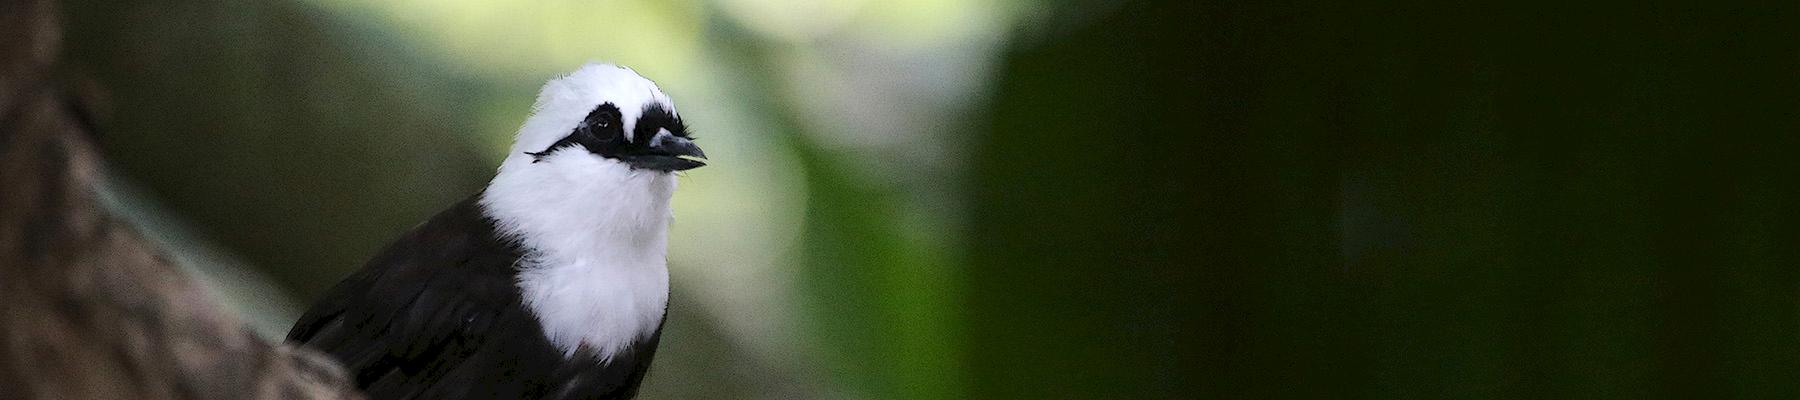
[286, 142]
[1263, 200]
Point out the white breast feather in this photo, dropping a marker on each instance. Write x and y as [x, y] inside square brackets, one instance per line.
[595, 232]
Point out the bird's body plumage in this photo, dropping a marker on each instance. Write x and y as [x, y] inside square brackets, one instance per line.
[435, 313]
[550, 284]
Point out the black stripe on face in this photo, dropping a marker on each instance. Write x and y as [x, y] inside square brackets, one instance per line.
[602, 132]
[656, 118]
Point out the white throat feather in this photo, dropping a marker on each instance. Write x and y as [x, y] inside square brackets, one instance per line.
[593, 229]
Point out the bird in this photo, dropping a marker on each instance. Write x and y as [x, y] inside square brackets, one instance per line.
[549, 283]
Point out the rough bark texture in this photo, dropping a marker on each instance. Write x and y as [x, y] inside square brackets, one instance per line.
[88, 308]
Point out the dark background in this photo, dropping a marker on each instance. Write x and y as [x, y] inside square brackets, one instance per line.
[1392, 202]
[1150, 199]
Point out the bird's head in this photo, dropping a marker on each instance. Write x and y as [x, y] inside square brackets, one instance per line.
[593, 168]
[607, 114]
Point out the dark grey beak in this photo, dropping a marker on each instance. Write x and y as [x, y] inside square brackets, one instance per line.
[668, 152]
[679, 146]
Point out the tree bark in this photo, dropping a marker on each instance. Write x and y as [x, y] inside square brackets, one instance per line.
[89, 309]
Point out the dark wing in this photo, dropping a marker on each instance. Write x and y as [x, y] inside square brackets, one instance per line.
[438, 315]
[440, 302]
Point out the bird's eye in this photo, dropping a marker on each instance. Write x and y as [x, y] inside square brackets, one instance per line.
[602, 123]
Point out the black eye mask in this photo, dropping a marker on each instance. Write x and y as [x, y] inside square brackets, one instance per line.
[603, 133]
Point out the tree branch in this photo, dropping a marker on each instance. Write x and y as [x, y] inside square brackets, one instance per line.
[88, 308]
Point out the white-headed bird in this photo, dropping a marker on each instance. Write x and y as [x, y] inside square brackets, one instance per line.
[549, 284]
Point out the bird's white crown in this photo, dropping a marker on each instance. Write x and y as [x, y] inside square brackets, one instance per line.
[565, 101]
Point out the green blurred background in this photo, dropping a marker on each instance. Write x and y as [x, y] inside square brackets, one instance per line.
[1015, 199]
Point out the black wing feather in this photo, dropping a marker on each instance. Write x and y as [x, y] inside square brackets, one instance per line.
[438, 314]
